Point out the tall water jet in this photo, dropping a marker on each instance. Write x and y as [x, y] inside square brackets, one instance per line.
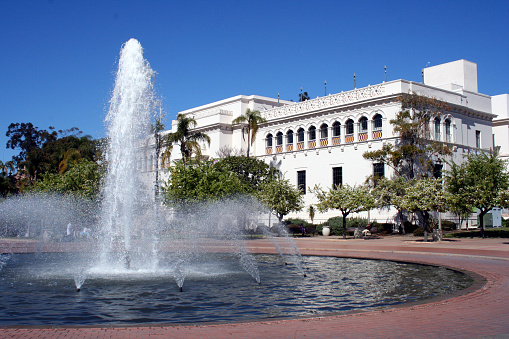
[128, 122]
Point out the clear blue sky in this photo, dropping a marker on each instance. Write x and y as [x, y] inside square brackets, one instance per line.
[58, 57]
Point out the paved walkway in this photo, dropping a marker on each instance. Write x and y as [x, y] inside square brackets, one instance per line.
[480, 312]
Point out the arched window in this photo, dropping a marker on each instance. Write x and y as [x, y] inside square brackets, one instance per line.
[289, 137]
[324, 131]
[377, 122]
[279, 138]
[363, 124]
[312, 133]
[349, 126]
[336, 129]
[300, 135]
[269, 140]
[377, 126]
[437, 128]
[448, 130]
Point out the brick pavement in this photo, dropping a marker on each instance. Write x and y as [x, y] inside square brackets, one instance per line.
[479, 312]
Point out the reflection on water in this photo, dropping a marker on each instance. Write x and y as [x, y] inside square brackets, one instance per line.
[40, 290]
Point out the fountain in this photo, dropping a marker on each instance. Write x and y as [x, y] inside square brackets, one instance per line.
[126, 269]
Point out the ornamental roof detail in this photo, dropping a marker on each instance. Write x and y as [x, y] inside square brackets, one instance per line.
[328, 101]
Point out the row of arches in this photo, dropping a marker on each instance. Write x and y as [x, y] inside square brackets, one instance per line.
[325, 135]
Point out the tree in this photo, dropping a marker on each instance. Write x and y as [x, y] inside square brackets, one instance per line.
[82, 178]
[423, 196]
[280, 197]
[389, 193]
[414, 152]
[251, 119]
[157, 128]
[482, 181]
[251, 172]
[188, 140]
[457, 203]
[200, 181]
[311, 212]
[303, 96]
[348, 199]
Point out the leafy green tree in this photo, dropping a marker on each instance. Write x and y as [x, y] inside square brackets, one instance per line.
[423, 196]
[251, 119]
[44, 151]
[414, 152]
[188, 140]
[348, 199]
[251, 172]
[482, 181]
[200, 181]
[281, 197]
[82, 178]
[457, 203]
[389, 193]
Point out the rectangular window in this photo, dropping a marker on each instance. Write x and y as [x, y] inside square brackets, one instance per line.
[478, 139]
[378, 170]
[337, 177]
[301, 181]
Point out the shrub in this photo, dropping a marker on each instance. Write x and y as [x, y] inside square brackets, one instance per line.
[448, 225]
[296, 221]
[419, 232]
[488, 233]
[409, 227]
[385, 228]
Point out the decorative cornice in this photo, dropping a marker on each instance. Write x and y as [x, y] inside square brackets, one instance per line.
[210, 112]
[325, 102]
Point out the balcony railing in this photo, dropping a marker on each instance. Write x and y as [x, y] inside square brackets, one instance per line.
[312, 144]
[279, 149]
[268, 150]
[336, 140]
[349, 138]
[377, 134]
[289, 148]
[300, 146]
[363, 136]
[324, 142]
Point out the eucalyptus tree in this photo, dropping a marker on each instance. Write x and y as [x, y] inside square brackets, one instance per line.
[482, 181]
[250, 120]
[188, 140]
[348, 199]
[414, 152]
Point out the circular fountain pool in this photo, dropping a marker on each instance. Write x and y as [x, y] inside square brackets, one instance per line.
[39, 289]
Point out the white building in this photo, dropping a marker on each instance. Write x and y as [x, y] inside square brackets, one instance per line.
[321, 141]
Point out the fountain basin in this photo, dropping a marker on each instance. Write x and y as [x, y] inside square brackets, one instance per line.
[39, 289]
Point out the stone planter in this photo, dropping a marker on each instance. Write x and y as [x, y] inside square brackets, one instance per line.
[326, 231]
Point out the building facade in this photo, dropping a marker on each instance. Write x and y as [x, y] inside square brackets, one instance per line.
[321, 141]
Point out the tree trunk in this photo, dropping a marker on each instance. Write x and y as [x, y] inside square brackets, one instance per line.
[425, 219]
[344, 225]
[248, 140]
[481, 221]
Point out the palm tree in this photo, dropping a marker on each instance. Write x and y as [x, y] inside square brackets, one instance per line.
[188, 140]
[157, 128]
[252, 120]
